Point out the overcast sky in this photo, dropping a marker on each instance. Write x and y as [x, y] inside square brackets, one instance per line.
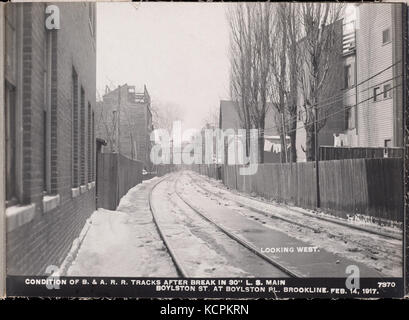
[179, 50]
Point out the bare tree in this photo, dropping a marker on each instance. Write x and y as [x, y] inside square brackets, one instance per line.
[106, 125]
[212, 118]
[262, 31]
[164, 114]
[279, 71]
[294, 62]
[319, 25]
[239, 65]
[249, 73]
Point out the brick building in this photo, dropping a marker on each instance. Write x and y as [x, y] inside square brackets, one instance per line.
[50, 81]
[124, 120]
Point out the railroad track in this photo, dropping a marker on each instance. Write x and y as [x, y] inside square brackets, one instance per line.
[172, 252]
[316, 230]
[176, 261]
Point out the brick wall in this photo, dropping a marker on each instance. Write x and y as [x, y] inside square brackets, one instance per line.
[46, 238]
[134, 125]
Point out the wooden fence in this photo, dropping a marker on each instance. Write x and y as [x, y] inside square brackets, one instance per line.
[163, 169]
[338, 153]
[369, 187]
[116, 174]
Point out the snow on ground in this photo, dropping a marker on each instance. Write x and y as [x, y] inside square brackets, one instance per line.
[197, 256]
[383, 254]
[123, 242]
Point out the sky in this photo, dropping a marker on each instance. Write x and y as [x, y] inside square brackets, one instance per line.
[179, 50]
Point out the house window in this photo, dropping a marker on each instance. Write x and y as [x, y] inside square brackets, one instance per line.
[347, 76]
[82, 137]
[89, 155]
[75, 127]
[376, 93]
[350, 117]
[11, 45]
[386, 36]
[93, 146]
[387, 91]
[53, 112]
[387, 143]
[47, 113]
[11, 154]
[10, 112]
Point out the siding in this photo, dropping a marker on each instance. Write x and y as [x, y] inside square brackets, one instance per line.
[375, 119]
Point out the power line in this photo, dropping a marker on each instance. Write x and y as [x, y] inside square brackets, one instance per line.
[328, 116]
[376, 74]
[336, 99]
[343, 109]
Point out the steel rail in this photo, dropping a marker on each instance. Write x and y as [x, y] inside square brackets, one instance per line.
[241, 241]
[179, 268]
[269, 214]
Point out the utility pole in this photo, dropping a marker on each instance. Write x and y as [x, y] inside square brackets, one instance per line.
[317, 174]
[285, 137]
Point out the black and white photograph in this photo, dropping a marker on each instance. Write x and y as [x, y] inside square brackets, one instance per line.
[234, 150]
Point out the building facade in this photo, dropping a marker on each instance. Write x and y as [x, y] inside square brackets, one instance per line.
[50, 81]
[330, 101]
[373, 68]
[363, 95]
[124, 120]
[229, 119]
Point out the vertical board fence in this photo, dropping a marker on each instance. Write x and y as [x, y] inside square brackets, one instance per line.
[338, 153]
[369, 187]
[163, 169]
[116, 174]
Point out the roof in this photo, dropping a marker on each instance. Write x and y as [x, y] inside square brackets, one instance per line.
[128, 95]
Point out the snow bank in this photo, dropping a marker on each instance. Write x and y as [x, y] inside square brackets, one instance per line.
[122, 243]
